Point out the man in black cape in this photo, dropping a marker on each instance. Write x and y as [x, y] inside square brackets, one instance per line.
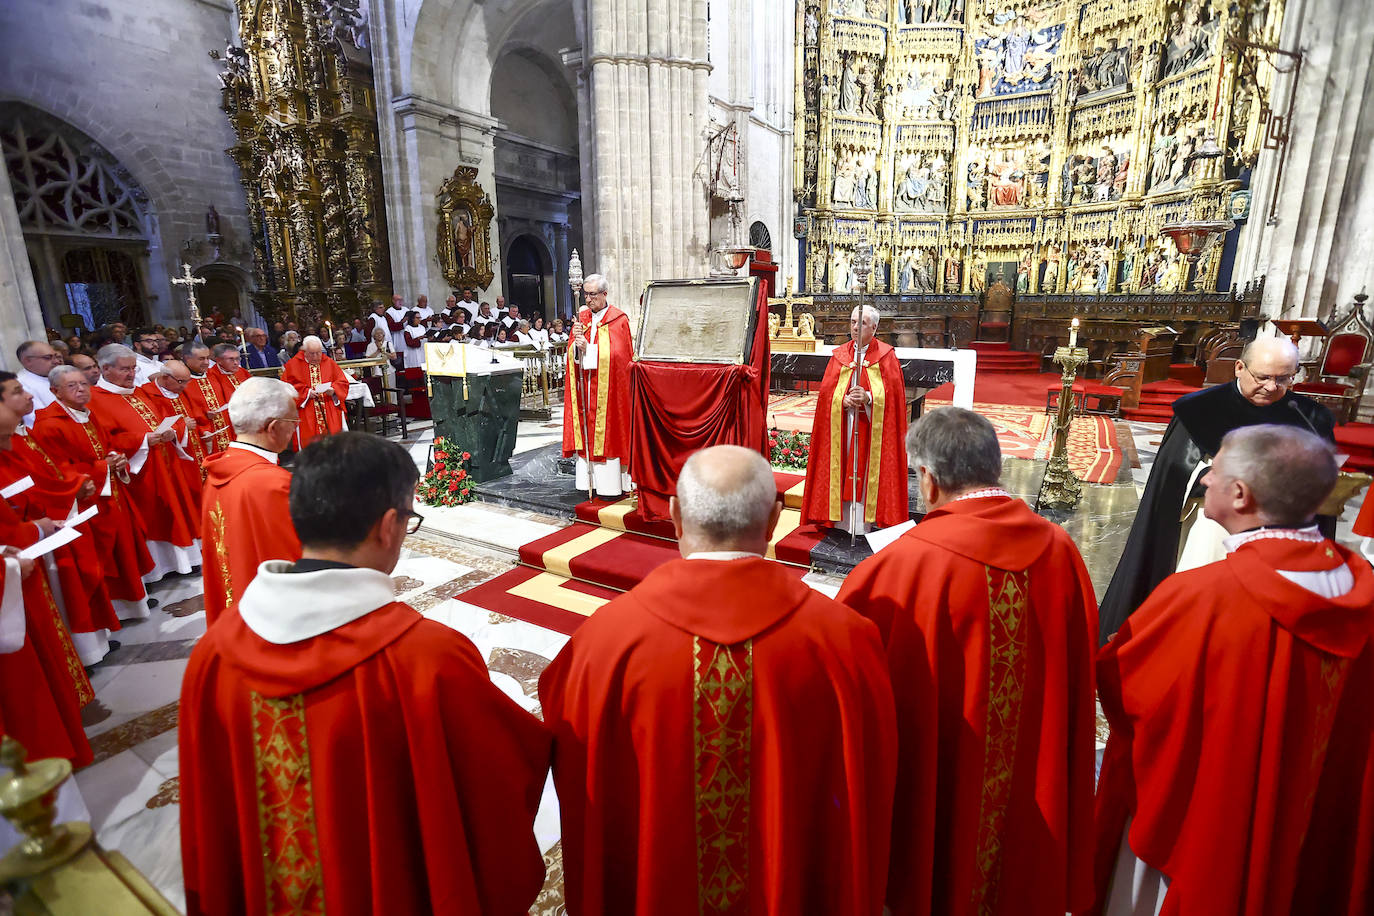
[1260, 394]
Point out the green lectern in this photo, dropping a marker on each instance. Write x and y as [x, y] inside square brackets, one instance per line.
[476, 403]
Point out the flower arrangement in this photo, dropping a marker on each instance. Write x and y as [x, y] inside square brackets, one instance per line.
[788, 449]
[448, 482]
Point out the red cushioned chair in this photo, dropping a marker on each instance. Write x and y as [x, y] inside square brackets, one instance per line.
[1102, 399]
[381, 408]
[1338, 378]
[412, 381]
[1053, 391]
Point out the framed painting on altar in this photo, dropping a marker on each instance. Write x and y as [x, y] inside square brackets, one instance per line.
[464, 231]
[698, 321]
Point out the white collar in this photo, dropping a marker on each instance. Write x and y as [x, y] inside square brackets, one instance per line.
[145, 359]
[42, 378]
[249, 447]
[984, 493]
[163, 391]
[721, 555]
[285, 607]
[80, 416]
[194, 376]
[1310, 534]
[107, 385]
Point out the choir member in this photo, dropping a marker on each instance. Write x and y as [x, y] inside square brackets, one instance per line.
[861, 411]
[1239, 775]
[391, 774]
[596, 399]
[396, 322]
[989, 620]
[1170, 531]
[322, 389]
[724, 736]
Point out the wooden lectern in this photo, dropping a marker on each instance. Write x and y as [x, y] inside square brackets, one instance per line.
[1298, 328]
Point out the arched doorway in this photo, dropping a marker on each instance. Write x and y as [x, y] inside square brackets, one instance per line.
[527, 267]
[86, 222]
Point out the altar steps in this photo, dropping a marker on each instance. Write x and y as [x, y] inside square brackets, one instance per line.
[998, 356]
[1157, 401]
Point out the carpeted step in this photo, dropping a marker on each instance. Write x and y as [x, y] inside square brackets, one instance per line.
[1186, 374]
[1147, 415]
[1168, 386]
[540, 598]
[989, 346]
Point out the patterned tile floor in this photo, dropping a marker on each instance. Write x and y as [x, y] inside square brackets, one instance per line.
[132, 788]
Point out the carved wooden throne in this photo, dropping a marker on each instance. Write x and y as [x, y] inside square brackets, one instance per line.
[1338, 377]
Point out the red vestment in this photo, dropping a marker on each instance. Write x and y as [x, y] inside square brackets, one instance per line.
[724, 742]
[194, 445]
[320, 416]
[203, 393]
[246, 519]
[880, 438]
[80, 448]
[226, 384]
[159, 489]
[40, 706]
[606, 399]
[375, 768]
[989, 621]
[1364, 522]
[1242, 707]
[80, 569]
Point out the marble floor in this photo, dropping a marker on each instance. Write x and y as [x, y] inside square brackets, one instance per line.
[131, 789]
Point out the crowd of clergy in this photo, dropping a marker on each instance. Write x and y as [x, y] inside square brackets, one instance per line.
[723, 738]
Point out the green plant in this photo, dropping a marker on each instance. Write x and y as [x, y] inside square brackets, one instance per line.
[788, 449]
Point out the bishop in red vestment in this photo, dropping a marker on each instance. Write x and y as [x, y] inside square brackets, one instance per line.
[338, 752]
[724, 739]
[157, 487]
[246, 515]
[1239, 775]
[42, 683]
[225, 373]
[322, 389]
[989, 621]
[78, 443]
[202, 392]
[861, 412]
[79, 582]
[167, 391]
[596, 395]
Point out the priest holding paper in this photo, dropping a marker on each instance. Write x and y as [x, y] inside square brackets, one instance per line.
[596, 399]
[856, 474]
[322, 388]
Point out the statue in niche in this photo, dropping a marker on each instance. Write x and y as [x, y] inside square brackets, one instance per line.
[1103, 265]
[1006, 183]
[1023, 276]
[865, 184]
[953, 273]
[1085, 280]
[840, 272]
[1162, 152]
[1105, 174]
[945, 10]
[1108, 68]
[936, 195]
[843, 190]
[975, 185]
[1171, 277]
[916, 273]
[1123, 171]
[868, 103]
[913, 12]
[1049, 277]
[978, 272]
[875, 9]
[849, 87]
[1191, 30]
[911, 192]
[812, 26]
[1179, 176]
[1125, 266]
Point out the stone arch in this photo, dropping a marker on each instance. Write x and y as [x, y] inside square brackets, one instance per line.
[530, 274]
[237, 281]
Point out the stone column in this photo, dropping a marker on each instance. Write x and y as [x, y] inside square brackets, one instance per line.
[647, 96]
[21, 318]
[1316, 254]
[429, 141]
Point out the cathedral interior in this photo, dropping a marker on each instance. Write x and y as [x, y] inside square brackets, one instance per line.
[1167, 175]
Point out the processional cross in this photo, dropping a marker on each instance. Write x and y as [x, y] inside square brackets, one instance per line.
[190, 282]
[789, 300]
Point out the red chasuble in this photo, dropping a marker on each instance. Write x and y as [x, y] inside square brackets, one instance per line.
[1364, 522]
[606, 403]
[80, 448]
[80, 569]
[225, 385]
[880, 442]
[321, 416]
[165, 503]
[724, 743]
[246, 519]
[989, 620]
[183, 406]
[205, 396]
[371, 769]
[42, 683]
[1242, 708]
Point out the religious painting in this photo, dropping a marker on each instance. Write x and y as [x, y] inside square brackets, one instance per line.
[926, 93]
[1189, 37]
[1096, 177]
[465, 214]
[1173, 153]
[1106, 71]
[1015, 53]
[916, 271]
[698, 321]
[1009, 178]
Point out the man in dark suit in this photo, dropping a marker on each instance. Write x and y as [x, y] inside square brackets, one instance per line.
[259, 355]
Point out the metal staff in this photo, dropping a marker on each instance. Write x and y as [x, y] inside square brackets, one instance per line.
[580, 381]
[854, 443]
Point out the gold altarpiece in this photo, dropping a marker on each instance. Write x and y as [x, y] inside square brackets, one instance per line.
[1045, 143]
[302, 104]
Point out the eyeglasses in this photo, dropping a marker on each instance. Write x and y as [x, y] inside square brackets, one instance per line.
[416, 520]
[1282, 381]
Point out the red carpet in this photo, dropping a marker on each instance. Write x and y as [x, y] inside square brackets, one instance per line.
[1021, 389]
[998, 356]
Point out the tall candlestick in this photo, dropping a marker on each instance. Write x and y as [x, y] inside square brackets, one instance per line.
[1073, 333]
[243, 341]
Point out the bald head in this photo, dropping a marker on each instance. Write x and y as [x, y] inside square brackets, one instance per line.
[175, 370]
[726, 499]
[1269, 475]
[1266, 368]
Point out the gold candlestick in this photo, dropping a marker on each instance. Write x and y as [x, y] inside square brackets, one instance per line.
[1060, 488]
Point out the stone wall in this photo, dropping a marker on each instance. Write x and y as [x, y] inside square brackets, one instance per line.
[137, 78]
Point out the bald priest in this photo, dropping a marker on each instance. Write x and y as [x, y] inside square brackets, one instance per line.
[1170, 532]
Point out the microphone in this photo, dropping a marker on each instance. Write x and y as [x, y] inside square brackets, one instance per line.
[1293, 405]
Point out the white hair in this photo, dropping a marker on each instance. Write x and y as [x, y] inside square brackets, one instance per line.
[598, 281]
[723, 500]
[308, 339]
[58, 373]
[258, 401]
[866, 311]
[112, 353]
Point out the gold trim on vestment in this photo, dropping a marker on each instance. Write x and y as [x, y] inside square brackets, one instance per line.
[221, 552]
[293, 878]
[722, 731]
[837, 443]
[603, 391]
[875, 443]
[82, 683]
[578, 444]
[1008, 607]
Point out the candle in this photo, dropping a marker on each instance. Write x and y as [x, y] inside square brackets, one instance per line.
[1073, 333]
[243, 342]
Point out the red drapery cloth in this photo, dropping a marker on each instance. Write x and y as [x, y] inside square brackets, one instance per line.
[678, 408]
